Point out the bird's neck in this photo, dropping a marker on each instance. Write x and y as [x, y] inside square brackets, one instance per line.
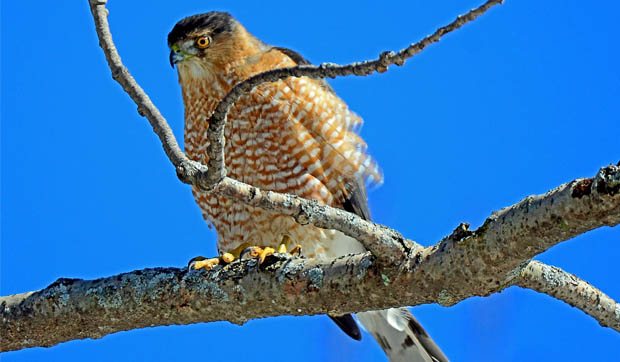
[207, 82]
[204, 85]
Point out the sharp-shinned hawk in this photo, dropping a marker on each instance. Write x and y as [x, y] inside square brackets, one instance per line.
[292, 136]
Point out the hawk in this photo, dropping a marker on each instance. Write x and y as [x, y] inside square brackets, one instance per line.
[292, 136]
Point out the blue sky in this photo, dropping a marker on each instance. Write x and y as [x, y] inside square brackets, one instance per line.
[516, 103]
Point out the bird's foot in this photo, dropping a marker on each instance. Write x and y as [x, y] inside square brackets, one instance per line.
[245, 252]
[284, 245]
[282, 249]
[256, 252]
[260, 253]
[200, 262]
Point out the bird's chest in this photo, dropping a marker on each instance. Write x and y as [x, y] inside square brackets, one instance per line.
[259, 141]
[261, 150]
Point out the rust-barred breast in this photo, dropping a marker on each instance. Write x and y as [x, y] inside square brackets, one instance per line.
[294, 136]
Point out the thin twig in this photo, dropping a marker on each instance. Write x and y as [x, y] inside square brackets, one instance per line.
[572, 290]
[217, 121]
[120, 74]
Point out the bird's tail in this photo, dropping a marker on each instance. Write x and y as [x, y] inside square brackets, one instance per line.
[401, 336]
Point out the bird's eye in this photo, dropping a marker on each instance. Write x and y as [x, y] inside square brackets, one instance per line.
[203, 42]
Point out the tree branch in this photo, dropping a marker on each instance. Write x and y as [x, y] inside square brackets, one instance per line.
[120, 74]
[489, 259]
[494, 254]
[572, 290]
[399, 272]
[385, 244]
[217, 121]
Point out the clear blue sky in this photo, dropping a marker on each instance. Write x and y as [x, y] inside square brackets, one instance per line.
[516, 103]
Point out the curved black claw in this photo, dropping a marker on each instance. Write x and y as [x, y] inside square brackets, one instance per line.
[251, 252]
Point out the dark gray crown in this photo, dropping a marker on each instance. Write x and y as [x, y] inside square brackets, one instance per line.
[219, 22]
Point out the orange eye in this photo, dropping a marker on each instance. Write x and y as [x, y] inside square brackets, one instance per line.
[202, 42]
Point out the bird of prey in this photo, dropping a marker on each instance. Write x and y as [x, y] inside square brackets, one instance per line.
[292, 136]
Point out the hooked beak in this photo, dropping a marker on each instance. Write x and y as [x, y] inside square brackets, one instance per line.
[176, 57]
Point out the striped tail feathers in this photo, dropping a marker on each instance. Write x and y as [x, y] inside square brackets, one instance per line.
[400, 336]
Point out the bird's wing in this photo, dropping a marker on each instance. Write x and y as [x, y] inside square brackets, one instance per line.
[396, 330]
[345, 322]
[398, 333]
[337, 137]
[357, 201]
[296, 57]
[300, 60]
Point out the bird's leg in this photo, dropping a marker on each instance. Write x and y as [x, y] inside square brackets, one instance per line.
[286, 241]
[296, 250]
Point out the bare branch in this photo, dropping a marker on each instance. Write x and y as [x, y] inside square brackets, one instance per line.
[572, 290]
[120, 74]
[386, 244]
[490, 259]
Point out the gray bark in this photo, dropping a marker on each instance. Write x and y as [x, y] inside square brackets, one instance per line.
[464, 264]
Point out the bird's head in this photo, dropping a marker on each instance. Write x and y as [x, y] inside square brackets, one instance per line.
[200, 44]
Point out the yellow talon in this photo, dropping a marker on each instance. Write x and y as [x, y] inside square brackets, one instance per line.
[264, 253]
[206, 263]
[200, 262]
[260, 253]
[296, 250]
[227, 257]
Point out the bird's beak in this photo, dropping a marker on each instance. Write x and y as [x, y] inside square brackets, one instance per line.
[176, 57]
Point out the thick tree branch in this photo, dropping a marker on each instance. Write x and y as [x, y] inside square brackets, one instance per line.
[572, 290]
[493, 255]
[385, 244]
[464, 264]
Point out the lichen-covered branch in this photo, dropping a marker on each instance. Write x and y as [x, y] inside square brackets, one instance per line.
[572, 290]
[387, 245]
[492, 256]
[464, 264]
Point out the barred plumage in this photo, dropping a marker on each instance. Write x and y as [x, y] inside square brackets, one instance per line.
[293, 136]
